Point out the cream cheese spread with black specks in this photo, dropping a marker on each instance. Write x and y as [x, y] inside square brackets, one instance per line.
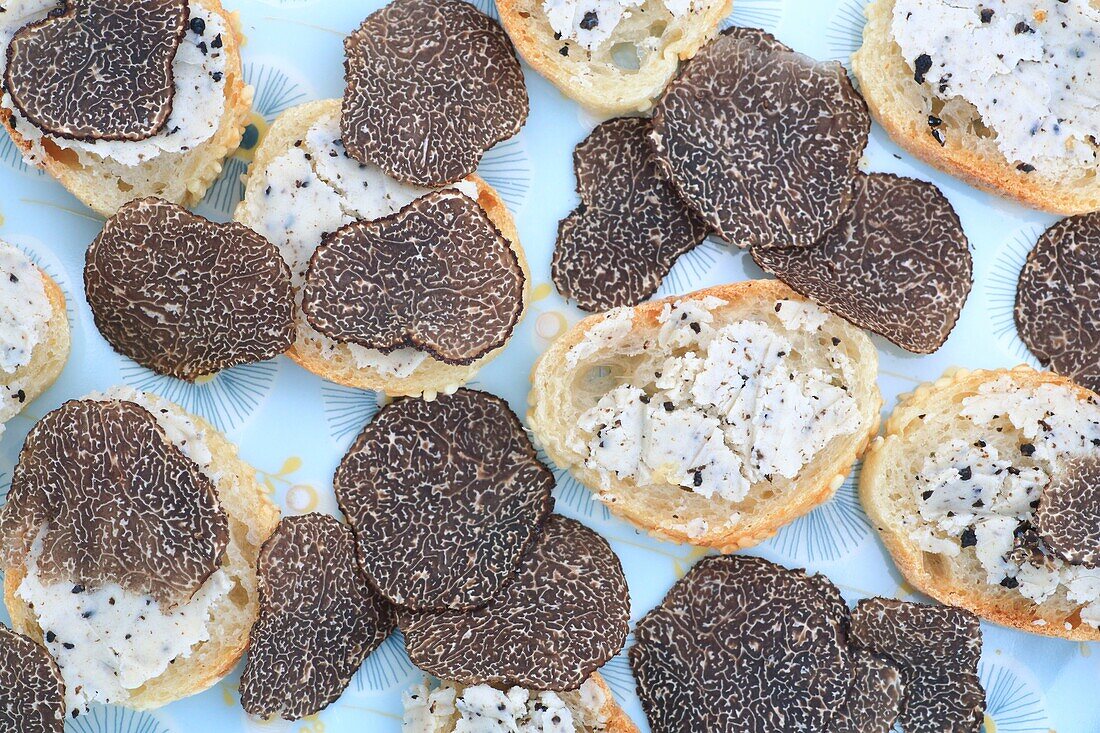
[25, 312]
[485, 709]
[590, 23]
[1031, 68]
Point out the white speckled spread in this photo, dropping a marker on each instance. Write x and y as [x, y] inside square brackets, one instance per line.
[723, 408]
[1031, 68]
[24, 319]
[314, 189]
[972, 495]
[197, 107]
[591, 22]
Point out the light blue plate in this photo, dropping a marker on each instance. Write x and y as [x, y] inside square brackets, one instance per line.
[294, 428]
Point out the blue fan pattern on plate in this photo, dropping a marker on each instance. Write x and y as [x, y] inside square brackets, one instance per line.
[348, 409]
[830, 532]
[388, 667]
[115, 720]
[1012, 704]
[692, 267]
[844, 35]
[507, 168]
[764, 14]
[573, 494]
[1000, 291]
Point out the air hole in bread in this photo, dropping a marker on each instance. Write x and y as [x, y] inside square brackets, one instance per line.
[239, 595]
[124, 186]
[658, 29]
[626, 56]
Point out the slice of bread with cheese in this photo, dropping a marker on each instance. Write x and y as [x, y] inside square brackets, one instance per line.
[932, 110]
[181, 176]
[298, 239]
[954, 485]
[712, 418]
[612, 56]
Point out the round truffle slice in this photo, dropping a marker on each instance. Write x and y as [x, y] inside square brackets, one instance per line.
[1068, 516]
[742, 644]
[874, 698]
[898, 263]
[565, 614]
[119, 503]
[430, 86]
[762, 142]
[444, 498]
[102, 70]
[1056, 300]
[184, 296]
[631, 226]
[319, 619]
[936, 649]
[33, 698]
[436, 276]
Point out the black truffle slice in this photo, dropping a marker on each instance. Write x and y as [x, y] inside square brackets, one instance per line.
[1068, 516]
[742, 644]
[437, 276]
[562, 618]
[430, 86]
[122, 502]
[444, 498]
[936, 649]
[631, 226]
[898, 263]
[762, 142]
[187, 297]
[874, 698]
[319, 619]
[1056, 312]
[102, 70]
[33, 694]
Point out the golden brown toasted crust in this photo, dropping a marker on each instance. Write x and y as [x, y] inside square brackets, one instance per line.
[617, 719]
[954, 581]
[902, 108]
[554, 411]
[182, 178]
[49, 356]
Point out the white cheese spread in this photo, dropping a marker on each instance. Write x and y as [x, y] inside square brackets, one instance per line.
[973, 496]
[1031, 68]
[198, 70]
[485, 709]
[591, 22]
[720, 409]
[25, 312]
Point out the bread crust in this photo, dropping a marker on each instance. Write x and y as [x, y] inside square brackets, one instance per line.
[819, 481]
[617, 719]
[935, 575]
[50, 355]
[182, 178]
[432, 376]
[621, 91]
[880, 67]
[252, 518]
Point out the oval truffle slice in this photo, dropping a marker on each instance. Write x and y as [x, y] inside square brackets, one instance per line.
[762, 142]
[565, 614]
[898, 263]
[112, 499]
[742, 644]
[631, 226]
[444, 498]
[430, 86]
[32, 692]
[1056, 312]
[874, 698]
[319, 619]
[936, 649]
[102, 70]
[184, 296]
[436, 276]
[1068, 516]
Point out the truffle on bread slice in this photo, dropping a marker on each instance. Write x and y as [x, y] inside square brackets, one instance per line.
[469, 90]
[1068, 516]
[444, 499]
[319, 619]
[34, 693]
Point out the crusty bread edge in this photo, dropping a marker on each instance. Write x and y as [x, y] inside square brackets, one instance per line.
[44, 371]
[617, 719]
[906, 555]
[749, 531]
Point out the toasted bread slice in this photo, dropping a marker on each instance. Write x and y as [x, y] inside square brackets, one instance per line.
[923, 422]
[336, 362]
[593, 708]
[970, 150]
[630, 69]
[604, 352]
[182, 178]
[252, 518]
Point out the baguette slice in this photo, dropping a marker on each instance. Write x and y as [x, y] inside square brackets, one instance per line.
[339, 366]
[562, 393]
[252, 518]
[593, 708]
[182, 178]
[924, 419]
[903, 108]
[597, 79]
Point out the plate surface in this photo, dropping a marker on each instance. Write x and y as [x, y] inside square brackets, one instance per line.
[294, 428]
